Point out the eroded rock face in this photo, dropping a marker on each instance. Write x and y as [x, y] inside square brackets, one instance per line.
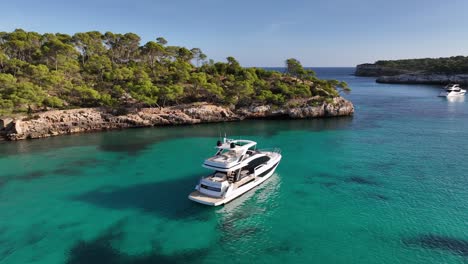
[416, 78]
[338, 107]
[258, 111]
[209, 113]
[60, 122]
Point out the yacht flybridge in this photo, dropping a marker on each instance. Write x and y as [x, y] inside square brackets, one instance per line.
[237, 168]
[452, 90]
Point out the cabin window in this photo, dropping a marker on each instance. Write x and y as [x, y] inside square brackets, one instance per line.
[254, 163]
[214, 189]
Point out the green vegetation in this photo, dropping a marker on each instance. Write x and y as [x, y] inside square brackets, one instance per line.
[41, 71]
[451, 65]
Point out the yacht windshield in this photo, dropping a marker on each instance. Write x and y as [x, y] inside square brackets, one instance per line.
[219, 174]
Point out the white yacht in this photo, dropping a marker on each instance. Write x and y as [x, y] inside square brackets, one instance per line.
[237, 168]
[452, 90]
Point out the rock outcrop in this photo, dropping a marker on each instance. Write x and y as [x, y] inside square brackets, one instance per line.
[338, 107]
[424, 78]
[60, 122]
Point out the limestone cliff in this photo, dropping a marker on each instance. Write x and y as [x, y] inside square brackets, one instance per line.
[60, 122]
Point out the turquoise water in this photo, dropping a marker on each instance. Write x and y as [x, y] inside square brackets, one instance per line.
[385, 186]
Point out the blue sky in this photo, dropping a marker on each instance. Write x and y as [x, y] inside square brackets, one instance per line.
[265, 33]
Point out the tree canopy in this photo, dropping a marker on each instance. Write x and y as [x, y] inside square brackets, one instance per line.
[39, 71]
[450, 65]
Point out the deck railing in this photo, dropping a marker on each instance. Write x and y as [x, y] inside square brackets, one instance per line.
[275, 150]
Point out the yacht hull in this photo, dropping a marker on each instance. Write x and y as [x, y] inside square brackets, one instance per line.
[452, 94]
[199, 197]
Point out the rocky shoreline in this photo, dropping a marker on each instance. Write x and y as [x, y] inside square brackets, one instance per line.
[389, 75]
[63, 122]
[424, 78]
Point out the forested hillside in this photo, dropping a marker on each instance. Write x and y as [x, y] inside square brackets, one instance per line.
[450, 65]
[43, 71]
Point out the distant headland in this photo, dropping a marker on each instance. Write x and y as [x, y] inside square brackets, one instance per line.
[418, 71]
[53, 84]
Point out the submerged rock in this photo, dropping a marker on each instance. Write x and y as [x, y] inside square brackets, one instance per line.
[433, 241]
[60, 122]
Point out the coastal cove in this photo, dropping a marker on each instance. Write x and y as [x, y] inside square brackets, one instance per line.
[375, 187]
[55, 84]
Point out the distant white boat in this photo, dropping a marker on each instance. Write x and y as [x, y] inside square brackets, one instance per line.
[452, 90]
[237, 168]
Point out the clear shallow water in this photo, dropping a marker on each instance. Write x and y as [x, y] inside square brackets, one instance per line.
[385, 186]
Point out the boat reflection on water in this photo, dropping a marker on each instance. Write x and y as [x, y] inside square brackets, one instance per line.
[456, 99]
[247, 217]
[454, 103]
